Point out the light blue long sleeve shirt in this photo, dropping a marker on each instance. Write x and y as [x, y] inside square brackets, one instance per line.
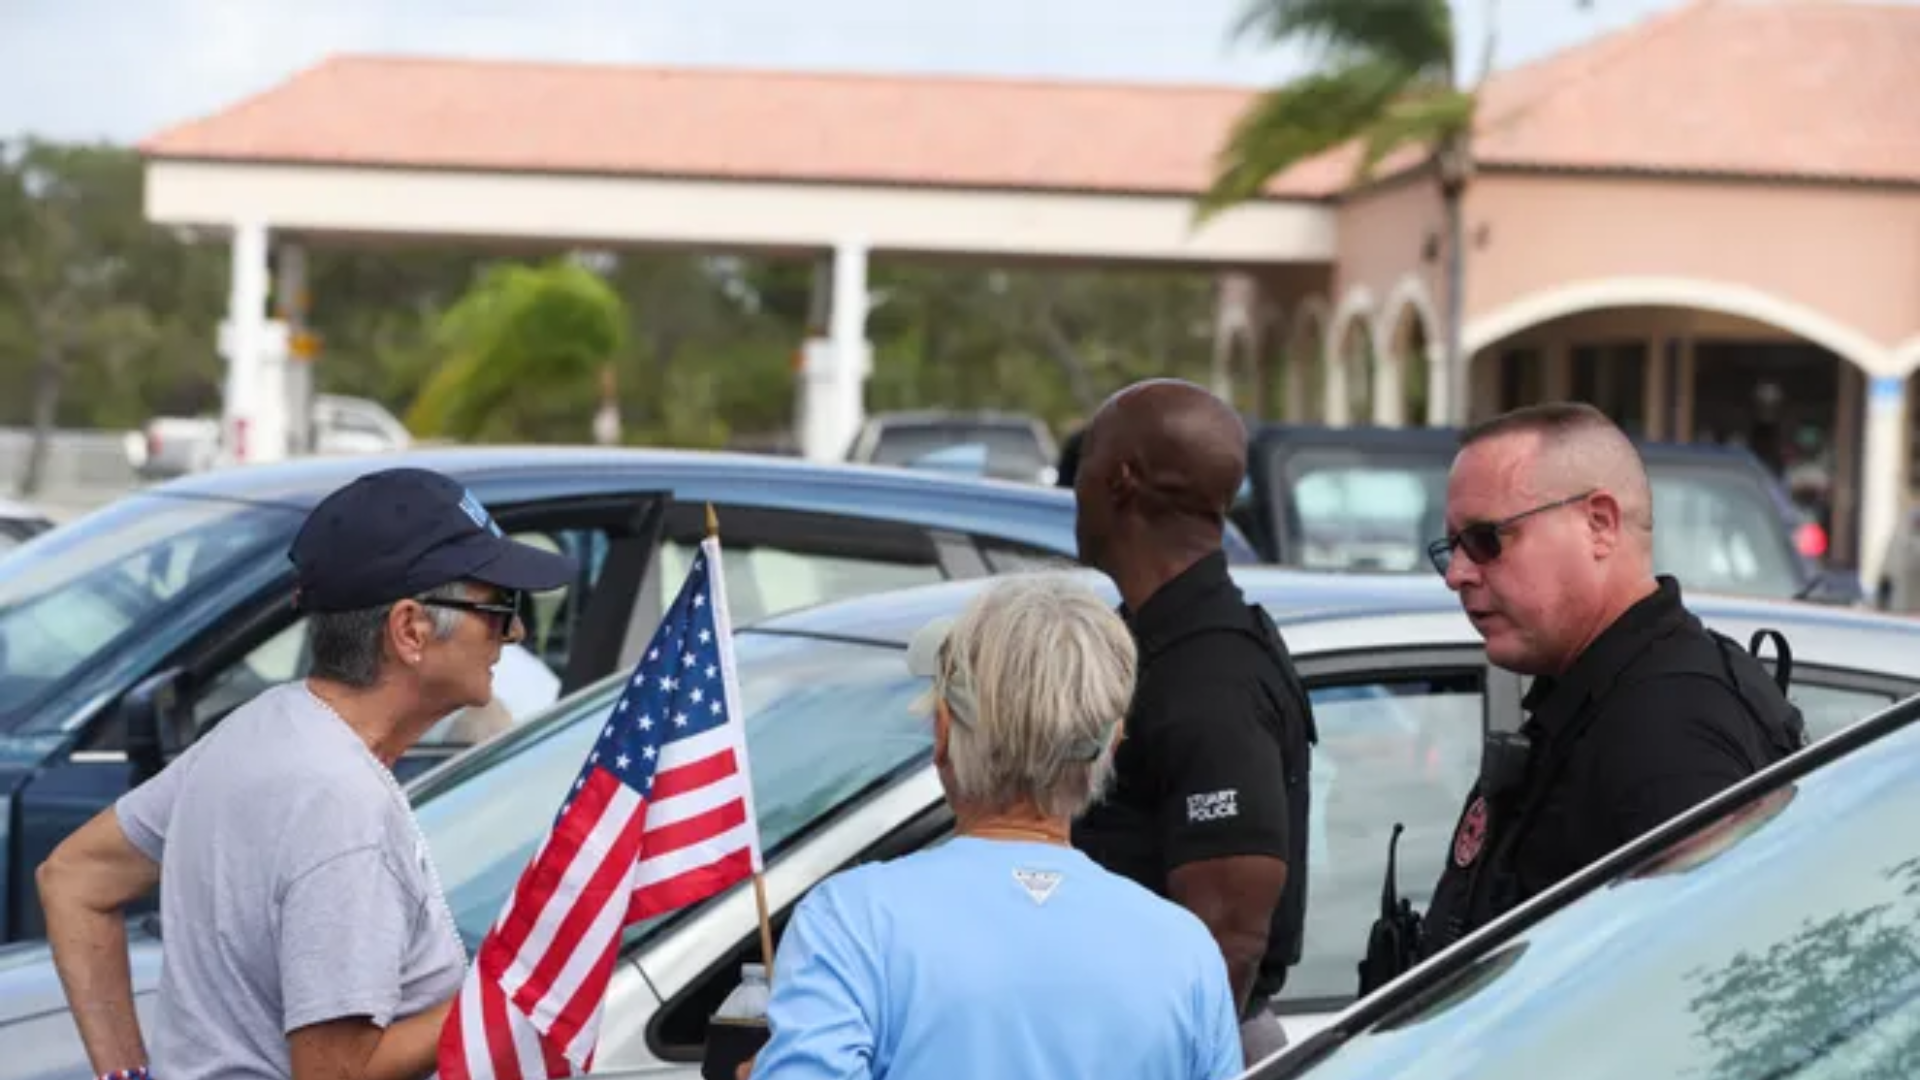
[997, 959]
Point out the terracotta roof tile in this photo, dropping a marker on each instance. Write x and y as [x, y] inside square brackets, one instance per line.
[719, 123]
[1764, 87]
[1811, 88]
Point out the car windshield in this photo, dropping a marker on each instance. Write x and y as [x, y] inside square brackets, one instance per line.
[1000, 450]
[113, 576]
[826, 722]
[1714, 529]
[1782, 941]
[1719, 532]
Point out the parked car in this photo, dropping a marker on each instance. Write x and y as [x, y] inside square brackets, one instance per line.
[172, 446]
[19, 523]
[1770, 932]
[125, 632]
[1367, 498]
[841, 771]
[1007, 446]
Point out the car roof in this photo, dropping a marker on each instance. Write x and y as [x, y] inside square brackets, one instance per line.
[893, 617]
[303, 482]
[912, 417]
[1423, 982]
[1447, 440]
[1374, 610]
[19, 511]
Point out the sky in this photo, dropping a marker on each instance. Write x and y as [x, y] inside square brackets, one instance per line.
[123, 69]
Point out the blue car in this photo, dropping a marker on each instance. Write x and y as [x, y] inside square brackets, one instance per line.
[126, 633]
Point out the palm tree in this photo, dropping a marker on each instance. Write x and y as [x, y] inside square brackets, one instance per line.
[522, 350]
[1388, 80]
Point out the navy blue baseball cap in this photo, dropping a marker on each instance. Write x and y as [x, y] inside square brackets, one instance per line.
[399, 532]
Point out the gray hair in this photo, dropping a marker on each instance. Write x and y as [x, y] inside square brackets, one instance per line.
[1037, 673]
[348, 647]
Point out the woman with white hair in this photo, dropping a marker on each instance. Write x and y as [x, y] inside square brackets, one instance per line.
[1005, 953]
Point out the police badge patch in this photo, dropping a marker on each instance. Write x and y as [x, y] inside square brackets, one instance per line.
[1472, 834]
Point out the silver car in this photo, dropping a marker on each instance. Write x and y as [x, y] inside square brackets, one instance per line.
[1403, 696]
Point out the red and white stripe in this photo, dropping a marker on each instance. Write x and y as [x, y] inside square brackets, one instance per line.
[531, 1003]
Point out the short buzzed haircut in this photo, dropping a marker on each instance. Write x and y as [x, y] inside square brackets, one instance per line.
[1580, 447]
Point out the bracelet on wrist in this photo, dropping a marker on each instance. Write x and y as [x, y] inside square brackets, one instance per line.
[137, 1073]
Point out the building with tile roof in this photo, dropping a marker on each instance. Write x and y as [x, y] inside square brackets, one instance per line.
[1709, 217]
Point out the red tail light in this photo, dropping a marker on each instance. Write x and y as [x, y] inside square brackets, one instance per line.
[1811, 540]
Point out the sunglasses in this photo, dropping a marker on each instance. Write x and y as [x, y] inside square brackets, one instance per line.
[500, 613]
[1481, 540]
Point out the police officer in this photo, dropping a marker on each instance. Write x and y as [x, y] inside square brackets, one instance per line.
[1637, 712]
[1209, 801]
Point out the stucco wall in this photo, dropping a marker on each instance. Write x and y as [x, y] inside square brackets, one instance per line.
[1850, 256]
[1383, 235]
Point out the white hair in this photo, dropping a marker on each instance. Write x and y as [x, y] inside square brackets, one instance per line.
[1038, 674]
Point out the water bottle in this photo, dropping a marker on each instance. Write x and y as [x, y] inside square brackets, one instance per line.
[738, 1029]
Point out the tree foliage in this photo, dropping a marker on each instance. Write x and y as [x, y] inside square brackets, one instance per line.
[107, 320]
[1386, 80]
[518, 348]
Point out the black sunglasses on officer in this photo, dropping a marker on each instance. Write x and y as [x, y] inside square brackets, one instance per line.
[1482, 541]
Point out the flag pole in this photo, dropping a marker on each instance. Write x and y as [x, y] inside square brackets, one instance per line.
[759, 878]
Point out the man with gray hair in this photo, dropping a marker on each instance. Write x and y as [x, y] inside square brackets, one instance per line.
[307, 935]
[1637, 711]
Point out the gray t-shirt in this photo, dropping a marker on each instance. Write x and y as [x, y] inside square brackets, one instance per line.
[294, 886]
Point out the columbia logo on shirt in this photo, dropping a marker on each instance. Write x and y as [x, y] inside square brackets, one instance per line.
[1213, 806]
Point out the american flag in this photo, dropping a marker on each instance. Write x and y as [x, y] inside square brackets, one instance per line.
[660, 816]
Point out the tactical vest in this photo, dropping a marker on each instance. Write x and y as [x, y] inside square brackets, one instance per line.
[1287, 699]
[1516, 778]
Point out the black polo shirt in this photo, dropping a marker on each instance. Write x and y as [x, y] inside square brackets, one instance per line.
[1655, 717]
[1199, 774]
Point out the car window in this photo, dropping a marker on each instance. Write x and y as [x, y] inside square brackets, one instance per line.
[1716, 530]
[1829, 709]
[1365, 515]
[1392, 749]
[1005, 451]
[113, 576]
[1721, 533]
[1782, 941]
[1004, 557]
[826, 721]
[765, 579]
[525, 681]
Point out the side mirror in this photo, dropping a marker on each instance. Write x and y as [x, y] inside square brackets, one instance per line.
[155, 716]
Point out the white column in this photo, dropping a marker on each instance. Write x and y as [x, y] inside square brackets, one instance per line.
[1298, 362]
[1884, 478]
[1389, 377]
[1440, 386]
[1335, 403]
[290, 300]
[834, 371]
[246, 340]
